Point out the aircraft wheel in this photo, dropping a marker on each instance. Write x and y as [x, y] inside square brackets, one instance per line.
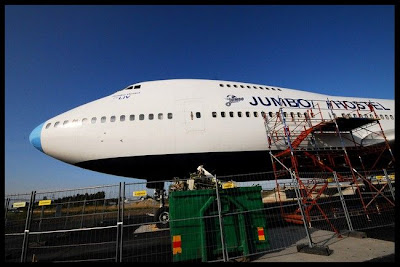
[162, 217]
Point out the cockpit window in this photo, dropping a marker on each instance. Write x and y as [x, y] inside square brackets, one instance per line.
[129, 87]
[136, 86]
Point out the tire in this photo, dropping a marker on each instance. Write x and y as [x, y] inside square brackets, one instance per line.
[162, 218]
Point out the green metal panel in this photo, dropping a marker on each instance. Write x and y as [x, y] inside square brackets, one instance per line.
[194, 217]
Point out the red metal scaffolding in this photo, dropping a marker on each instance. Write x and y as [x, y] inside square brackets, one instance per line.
[298, 140]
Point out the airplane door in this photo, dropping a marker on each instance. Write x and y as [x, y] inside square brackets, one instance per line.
[194, 116]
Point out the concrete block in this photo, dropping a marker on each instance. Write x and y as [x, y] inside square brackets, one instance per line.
[317, 250]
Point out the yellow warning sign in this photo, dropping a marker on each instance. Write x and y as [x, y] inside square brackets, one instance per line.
[19, 204]
[382, 177]
[230, 184]
[140, 193]
[45, 202]
[330, 180]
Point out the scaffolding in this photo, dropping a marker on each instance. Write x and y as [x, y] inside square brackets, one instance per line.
[304, 142]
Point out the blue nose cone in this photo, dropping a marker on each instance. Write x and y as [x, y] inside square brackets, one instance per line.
[34, 137]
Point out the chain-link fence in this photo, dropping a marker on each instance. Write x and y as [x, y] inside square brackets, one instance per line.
[197, 219]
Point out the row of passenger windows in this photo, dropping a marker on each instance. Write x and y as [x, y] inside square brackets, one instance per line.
[240, 114]
[223, 114]
[103, 119]
[248, 86]
[366, 116]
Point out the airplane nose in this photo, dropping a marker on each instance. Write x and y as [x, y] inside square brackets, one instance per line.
[34, 137]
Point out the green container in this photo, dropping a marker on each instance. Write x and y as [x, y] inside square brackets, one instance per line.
[195, 226]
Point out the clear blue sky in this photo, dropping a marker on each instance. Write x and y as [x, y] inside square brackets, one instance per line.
[59, 57]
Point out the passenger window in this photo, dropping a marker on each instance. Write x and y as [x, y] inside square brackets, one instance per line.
[169, 115]
[284, 114]
[386, 116]
[239, 114]
[94, 120]
[235, 85]
[255, 114]
[231, 114]
[299, 114]
[122, 118]
[382, 117]
[103, 119]
[255, 87]
[242, 86]
[391, 116]
[160, 116]
[223, 114]
[84, 120]
[56, 124]
[141, 117]
[214, 114]
[354, 115]
[228, 85]
[65, 123]
[221, 85]
[198, 115]
[248, 86]
[262, 114]
[292, 115]
[48, 125]
[270, 114]
[112, 118]
[151, 116]
[247, 114]
[132, 117]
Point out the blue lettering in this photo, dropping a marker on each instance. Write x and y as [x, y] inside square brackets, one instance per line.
[346, 103]
[269, 103]
[302, 104]
[278, 102]
[360, 105]
[338, 103]
[376, 105]
[292, 103]
[255, 102]
[383, 107]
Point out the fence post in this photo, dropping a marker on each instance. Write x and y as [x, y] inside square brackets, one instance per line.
[118, 224]
[83, 211]
[301, 207]
[389, 183]
[346, 212]
[27, 226]
[6, 211]
[122, 222]
[224, 254]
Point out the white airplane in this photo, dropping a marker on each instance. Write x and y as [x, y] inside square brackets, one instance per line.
[157, 130]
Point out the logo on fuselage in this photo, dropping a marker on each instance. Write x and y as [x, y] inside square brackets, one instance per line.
[233, 99]
[124, 96]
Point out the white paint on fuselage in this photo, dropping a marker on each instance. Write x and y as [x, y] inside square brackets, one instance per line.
[80, 142]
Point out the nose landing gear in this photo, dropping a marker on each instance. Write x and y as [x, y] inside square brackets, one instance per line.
[162, 214]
